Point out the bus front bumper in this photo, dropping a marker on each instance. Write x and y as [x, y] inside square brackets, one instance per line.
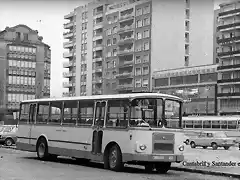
[153, 158]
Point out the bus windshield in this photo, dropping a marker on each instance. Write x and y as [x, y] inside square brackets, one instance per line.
[149, 113]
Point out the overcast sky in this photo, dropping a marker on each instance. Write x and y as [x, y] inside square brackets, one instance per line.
[51, 13]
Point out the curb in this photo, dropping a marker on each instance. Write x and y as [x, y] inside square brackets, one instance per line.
[208, 172]
[8, 147]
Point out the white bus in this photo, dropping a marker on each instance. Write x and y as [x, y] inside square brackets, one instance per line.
[113, 129]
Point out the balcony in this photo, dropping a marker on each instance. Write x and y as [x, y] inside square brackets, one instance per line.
[97, 69]
[126, 40]
[97, 59]
[228, 94]
[68, 44]
[234, 66]
[126, 64]
[126, 51]
[67, 54]
[227, 27]
[69, 64]
[67, 35]
[98, 47]
[229, 13]
[98, 25]
[68, 74]
[97, 36]
[228, 40]
[124, 75]
[68, 16]
[68, 25]
[68, 84]
[97, 81]
[126, 17]
[125, 87]
[98, 15]
[229, 53]
[97, 92]
[229, 80]
[125, 29]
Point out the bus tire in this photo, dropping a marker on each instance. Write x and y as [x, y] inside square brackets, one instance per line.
[115, 158]
[163, 167]
[42, 149]
[8, 142]
[226, 147]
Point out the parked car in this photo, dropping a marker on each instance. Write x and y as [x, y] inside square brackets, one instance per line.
[8, 135]
[212, 139]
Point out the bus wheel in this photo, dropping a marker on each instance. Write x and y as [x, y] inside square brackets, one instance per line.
[115, 158]
[214, 146]
[163, 167]
[42, 149]
[226, 147]
[149, 168]
[8, 142]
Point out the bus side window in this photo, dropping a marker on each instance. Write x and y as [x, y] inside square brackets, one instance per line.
[55, 112]
[70, 112]
[216, 124]
[24, 115]
[85, 113]
[43, 113]
[117, 113]
[232, 124]
[223, 124]
[207, 124]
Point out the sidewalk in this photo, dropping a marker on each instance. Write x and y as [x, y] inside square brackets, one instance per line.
[213, 162]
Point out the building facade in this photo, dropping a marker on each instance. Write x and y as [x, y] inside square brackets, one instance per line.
[229, 58]
[25, 63]
[196, 85]
[123, 42]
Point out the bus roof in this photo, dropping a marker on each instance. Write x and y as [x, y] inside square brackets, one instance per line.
[114, 96]
[211, 118]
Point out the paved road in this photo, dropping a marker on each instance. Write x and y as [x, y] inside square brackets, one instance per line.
[20, 165]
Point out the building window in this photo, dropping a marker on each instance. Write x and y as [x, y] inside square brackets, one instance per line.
[139, 23]
[187, 14]
[109, 54]
[139, 12]
[146, 46]
[138, 83]
[139, 35]
[138, 48]
[114, 63]
[145, 82]
[146, 9]
[115, 18]
[114, 41]
[109, 42]
[25, 36]
[146, 34]
[145, 70]
[114, 29]
[146, 21]
[138, 59]
[109, 32]
[114, 52]
[138, 71]
[18, 35]
[145, 58]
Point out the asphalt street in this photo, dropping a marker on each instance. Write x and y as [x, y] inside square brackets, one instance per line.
[19, 165]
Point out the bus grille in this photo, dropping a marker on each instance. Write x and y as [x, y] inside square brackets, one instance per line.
[163, 143]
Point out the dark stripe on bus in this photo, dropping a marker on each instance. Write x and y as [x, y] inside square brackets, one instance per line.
[51, 140]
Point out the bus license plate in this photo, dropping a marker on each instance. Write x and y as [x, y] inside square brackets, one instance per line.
[158, 157]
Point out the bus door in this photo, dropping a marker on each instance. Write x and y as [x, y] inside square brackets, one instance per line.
[32, 119]
[99, 116]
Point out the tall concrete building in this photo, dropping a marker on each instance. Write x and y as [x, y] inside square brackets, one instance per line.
[24, 66]
[114, 46]
[229, 58]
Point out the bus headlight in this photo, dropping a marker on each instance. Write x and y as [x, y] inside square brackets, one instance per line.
[142, 147]
[181, 148]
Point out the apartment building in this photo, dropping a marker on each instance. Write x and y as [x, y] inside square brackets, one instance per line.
[25, 63]
[229, 58]
[197, 85]
[123, 42]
